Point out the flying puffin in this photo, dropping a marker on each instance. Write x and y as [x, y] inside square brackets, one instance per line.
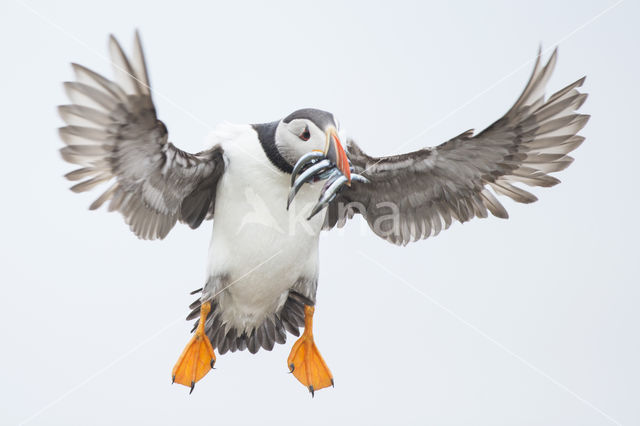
[271, 189]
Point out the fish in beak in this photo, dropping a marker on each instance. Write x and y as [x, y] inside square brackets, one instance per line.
[332, 165]
[334, 152]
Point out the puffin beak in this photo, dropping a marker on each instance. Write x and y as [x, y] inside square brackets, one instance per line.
[334, 152]
[331, 164]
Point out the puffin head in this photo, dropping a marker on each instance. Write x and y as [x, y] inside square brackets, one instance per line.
[311, 130]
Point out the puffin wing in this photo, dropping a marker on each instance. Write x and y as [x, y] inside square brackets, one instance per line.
[113, 133]
[415, 195]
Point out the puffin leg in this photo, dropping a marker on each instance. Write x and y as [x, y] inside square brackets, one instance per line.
[197, 358]
[305, 361]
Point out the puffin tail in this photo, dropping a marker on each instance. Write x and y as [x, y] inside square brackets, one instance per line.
[272, 330]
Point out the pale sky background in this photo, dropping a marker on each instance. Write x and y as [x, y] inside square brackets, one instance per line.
[530, 321]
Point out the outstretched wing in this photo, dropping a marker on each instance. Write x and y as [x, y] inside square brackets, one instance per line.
[114, 134]
[413, 196]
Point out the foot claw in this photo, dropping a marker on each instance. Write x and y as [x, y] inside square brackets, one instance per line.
[193, 385]
[311, 390]
[305, 361]
[192, 364]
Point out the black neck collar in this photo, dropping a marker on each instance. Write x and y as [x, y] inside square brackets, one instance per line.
[267, 137]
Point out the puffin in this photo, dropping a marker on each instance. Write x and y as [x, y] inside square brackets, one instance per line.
[271, 188]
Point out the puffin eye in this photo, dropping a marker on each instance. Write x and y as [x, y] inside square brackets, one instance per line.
[305, 135]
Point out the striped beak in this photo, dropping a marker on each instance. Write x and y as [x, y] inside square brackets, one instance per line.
[335, 153]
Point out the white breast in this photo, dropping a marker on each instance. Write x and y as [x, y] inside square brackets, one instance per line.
[260, 246]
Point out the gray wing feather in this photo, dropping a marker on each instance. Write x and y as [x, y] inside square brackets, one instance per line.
[416, 195]
[114, 134]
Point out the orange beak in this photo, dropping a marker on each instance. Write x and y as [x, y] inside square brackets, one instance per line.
[335, 153]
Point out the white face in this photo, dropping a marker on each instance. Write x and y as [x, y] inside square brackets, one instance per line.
[298, 137]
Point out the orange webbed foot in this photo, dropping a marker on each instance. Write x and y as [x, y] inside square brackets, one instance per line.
[305, 361]
[198, 357]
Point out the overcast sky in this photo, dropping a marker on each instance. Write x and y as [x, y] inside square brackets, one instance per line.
[529, 321]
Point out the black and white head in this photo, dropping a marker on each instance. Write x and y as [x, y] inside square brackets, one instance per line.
[305, 131]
